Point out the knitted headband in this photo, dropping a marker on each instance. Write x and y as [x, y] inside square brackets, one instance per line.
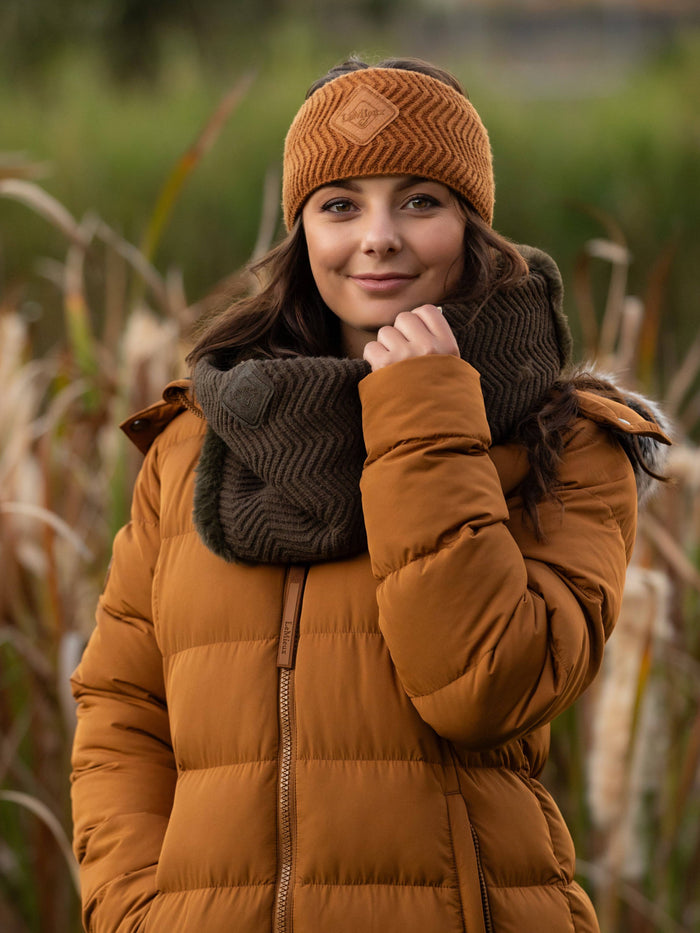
[387, 121]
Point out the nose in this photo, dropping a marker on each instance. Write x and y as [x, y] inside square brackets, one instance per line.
[380, 235]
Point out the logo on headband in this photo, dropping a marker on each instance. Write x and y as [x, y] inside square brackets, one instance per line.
[364, 115]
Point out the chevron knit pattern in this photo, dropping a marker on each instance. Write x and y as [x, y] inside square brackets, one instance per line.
[280, 469]
[519, 342]
[381, 121]
[278, 478]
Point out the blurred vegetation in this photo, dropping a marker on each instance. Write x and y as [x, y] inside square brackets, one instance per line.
[136, 176]
[632, 151]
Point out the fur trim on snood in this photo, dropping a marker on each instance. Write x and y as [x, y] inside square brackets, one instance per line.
[645, 453]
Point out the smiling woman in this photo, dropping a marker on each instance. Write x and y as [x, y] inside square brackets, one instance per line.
[375, 549]
[370, 141]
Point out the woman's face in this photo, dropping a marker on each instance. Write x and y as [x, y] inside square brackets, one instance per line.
[379, 246]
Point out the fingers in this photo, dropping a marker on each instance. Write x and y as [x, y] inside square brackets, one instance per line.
[432, 318]
[421, 332]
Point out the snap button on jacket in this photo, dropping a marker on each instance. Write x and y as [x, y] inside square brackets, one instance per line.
[425, 676]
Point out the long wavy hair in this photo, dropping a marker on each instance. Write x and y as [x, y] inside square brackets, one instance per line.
[286, 315]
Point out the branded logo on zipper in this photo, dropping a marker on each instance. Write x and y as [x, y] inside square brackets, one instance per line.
[291, 610]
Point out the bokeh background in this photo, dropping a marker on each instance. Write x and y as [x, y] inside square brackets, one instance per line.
[140, 150]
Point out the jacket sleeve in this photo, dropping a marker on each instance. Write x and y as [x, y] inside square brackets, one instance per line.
[123, 767]
[492, 632]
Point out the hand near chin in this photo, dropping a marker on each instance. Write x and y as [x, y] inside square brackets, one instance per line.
[420, 332]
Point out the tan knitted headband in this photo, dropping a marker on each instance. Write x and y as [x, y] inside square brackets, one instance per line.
[387, 121]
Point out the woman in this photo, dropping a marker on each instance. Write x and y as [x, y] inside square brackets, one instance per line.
[376, 546]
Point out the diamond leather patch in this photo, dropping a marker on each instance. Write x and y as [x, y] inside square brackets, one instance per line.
[364, 115]
[248, 395]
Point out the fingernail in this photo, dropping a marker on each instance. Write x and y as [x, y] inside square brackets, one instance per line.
[439, 307]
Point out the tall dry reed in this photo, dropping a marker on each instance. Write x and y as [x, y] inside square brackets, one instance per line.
[639, 727]
[65, 480]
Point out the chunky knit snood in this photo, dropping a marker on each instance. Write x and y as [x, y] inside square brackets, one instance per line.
[278, 478]
[519, 342]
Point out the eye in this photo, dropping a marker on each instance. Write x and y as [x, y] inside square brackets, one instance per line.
[338, 206]
[421, 202]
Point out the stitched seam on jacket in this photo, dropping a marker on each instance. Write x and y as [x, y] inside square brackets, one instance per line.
[612, 515]
[346, 632]
[453, 680]
[254, 761]
[447, 539]
[314, 884]
[163, 444]
[230, 641]
[99, 893]
[455, 865]
[126, 618]
[215, 887]
[571, 910]
[530, 786]
[600, 500]
[566, 671]
[477, 446]
[257, 641]
[376, 884]
[180, 534]
[228, 764]
[143, 522]
[557, 883]
[410, 761]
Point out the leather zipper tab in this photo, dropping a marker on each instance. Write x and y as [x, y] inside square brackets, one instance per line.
[291, 610]
[295, 580]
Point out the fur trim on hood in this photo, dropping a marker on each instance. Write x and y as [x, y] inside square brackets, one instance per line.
[645, 437]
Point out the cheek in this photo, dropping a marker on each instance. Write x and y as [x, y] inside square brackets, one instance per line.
[324, 255]
[451, 251]
[324, 264]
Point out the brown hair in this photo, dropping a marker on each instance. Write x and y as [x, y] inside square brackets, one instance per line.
[403, 64]
[287, 315]
[543, 434]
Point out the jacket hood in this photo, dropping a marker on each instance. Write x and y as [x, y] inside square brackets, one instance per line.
[638, 423]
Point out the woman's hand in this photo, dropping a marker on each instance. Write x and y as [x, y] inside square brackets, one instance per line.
[420, 332]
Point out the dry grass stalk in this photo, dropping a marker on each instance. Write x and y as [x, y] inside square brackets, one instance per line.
[189, 161]
[46, 816]
[643, 775]
[628, 738]
[48, 207]
[64, 482]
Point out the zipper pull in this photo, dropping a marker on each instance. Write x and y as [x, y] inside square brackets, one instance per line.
[295, 580]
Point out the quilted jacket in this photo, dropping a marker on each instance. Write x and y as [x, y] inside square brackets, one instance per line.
[378, 771]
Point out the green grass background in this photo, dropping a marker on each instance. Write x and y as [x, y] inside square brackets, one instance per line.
[631, 151]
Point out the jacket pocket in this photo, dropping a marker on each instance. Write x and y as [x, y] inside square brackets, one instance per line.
[485, 907]
[470, 876]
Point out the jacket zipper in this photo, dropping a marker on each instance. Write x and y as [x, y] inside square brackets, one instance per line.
[286, 656]
[485, 906]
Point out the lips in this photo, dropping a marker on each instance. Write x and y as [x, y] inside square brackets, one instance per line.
[382, 282]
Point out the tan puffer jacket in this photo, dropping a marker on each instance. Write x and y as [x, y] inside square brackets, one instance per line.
[387, 781]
